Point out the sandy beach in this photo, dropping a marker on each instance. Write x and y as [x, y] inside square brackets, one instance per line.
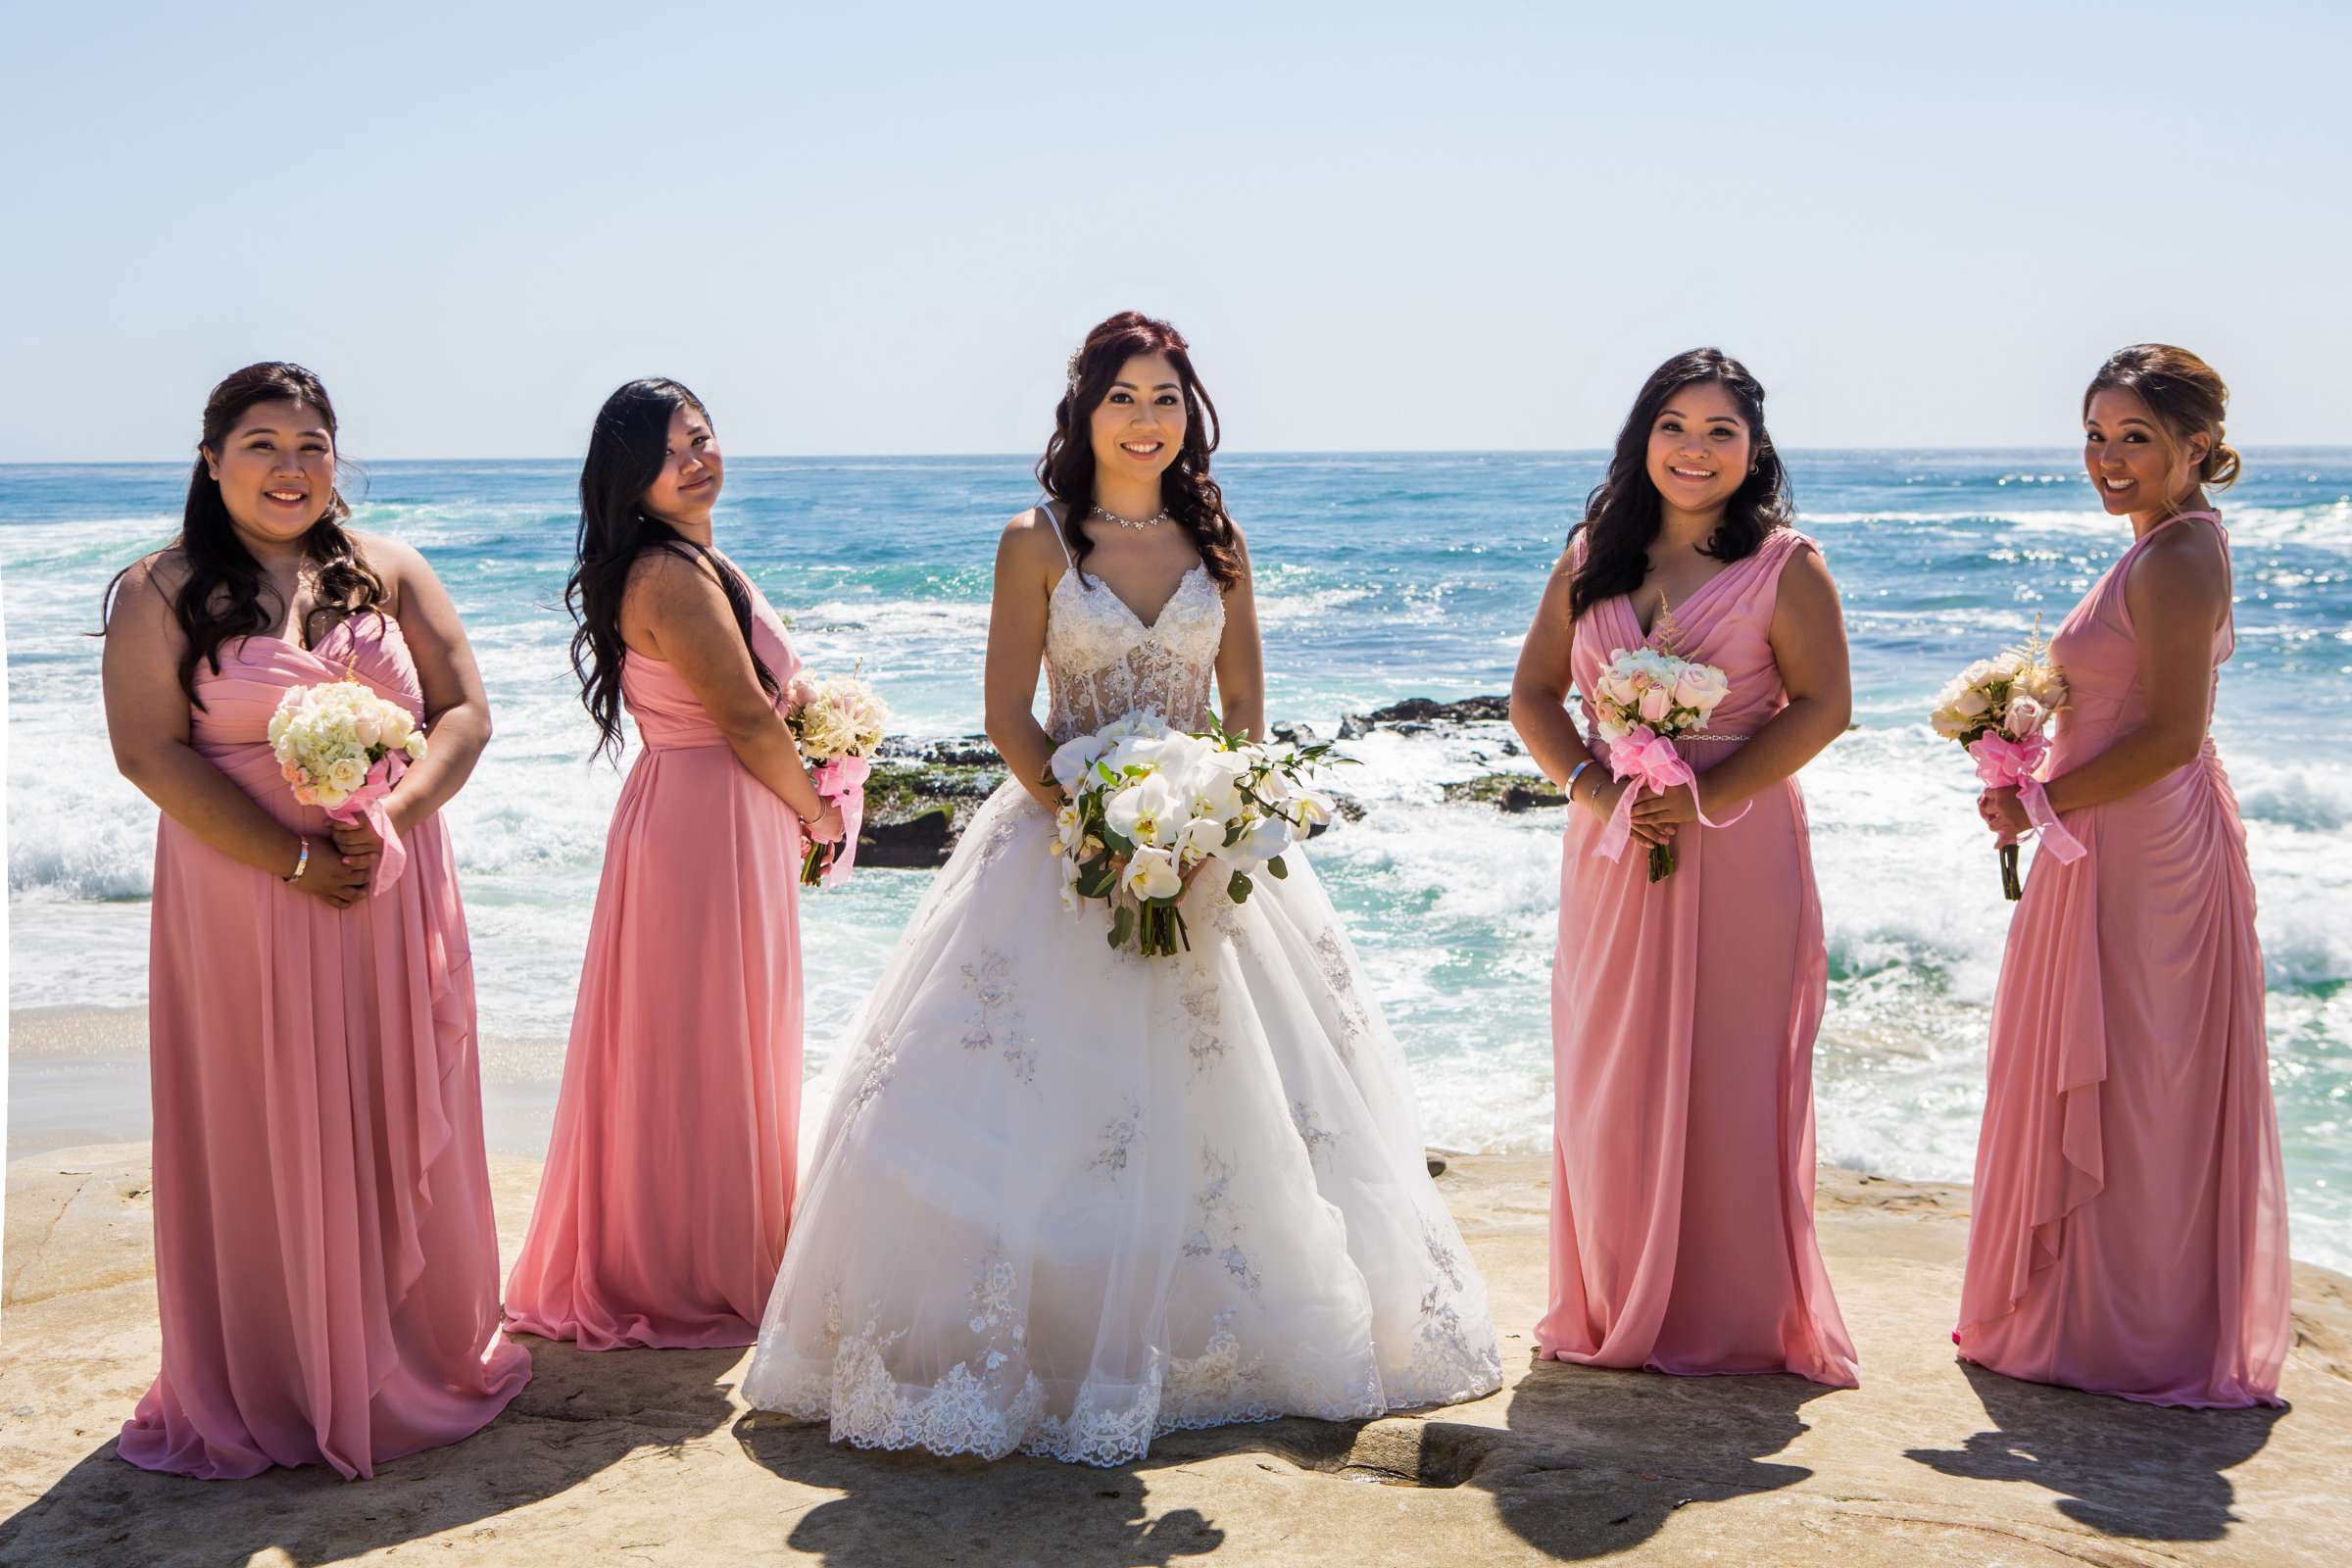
[79, 1075]
[650, 1456]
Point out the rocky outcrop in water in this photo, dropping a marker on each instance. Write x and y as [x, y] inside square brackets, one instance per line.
[923, 793]
[920, 796]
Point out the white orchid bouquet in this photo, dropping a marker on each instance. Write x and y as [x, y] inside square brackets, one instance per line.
[839, 726]
[1151, 806]
[1644, 700]
[341, 746]
[1997, 709]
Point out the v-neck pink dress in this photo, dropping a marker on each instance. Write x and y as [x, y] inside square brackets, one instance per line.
[326, 1259]
[2129, 1226]
[669, 1184]
[1682, 1014]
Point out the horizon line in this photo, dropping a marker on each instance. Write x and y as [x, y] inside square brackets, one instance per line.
[1244, 451]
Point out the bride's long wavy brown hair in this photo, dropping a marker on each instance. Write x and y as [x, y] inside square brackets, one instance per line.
[1066, 471]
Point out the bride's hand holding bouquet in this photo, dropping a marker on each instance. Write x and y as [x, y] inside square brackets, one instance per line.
[1150, 807]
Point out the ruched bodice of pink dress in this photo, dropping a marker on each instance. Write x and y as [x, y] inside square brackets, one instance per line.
[326, 1262]
[1683, 1014]
[661, 1215]
[2130, 1223]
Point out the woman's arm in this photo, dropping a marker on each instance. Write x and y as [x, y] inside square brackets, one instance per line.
[457, 710]
[676, 604]
[2177, 593]
[1540, 687]
[147, 721]
[1808, 644]
[1242, 657]
[1027, 556]
[1540, 714]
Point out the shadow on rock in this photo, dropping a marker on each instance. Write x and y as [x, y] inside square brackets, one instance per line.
[2140, 1471]
[581, 1414]
[1601, 1458]
[974, 1512]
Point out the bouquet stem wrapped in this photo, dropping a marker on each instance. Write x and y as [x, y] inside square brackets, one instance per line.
[1644, 699]
[341, 748]
[1997, 709]
[838, 728]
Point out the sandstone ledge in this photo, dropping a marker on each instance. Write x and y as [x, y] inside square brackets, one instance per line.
[650, 1456]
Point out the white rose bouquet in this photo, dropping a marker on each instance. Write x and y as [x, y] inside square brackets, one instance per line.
[1150, 806]
[1646, 699]
[838, 727]
[342, 747]
[1997, 709]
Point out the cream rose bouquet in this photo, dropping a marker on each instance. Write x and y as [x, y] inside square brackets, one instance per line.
[1997, 709]
[1150, 806]
[839, 726]
[342, 747]
[1644, 701]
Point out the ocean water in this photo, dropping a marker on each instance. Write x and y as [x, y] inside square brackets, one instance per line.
[1381, 577]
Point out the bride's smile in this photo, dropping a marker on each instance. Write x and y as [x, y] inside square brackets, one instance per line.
[1124, 1194]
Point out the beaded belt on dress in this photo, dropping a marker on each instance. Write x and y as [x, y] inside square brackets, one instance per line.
[1595, 740]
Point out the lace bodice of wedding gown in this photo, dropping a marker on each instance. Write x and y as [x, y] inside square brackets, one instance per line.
[1103, 662]
[1120, 1195]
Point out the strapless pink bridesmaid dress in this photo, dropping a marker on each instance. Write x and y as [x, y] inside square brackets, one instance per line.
[661, 1214]
[325, 1260]
[2130, 1225]
[1683, 1014]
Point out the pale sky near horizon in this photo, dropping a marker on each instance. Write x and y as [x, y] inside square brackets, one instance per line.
[1919, 225]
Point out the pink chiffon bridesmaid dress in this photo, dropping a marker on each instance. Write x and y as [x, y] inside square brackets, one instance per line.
[325, 1260]
[1682, 1021]
[661, 1214]
[2129, 1226]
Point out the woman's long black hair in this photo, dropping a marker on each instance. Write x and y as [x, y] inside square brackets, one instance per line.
[220, 597]
[1623, 514]
[625, 454]
[1066, 471]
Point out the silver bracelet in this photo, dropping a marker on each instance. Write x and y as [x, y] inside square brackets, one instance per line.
[1574, 774]
[302, 864]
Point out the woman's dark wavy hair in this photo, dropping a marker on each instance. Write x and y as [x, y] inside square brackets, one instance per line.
[1068, 470]
[1623, 514]
[625, 454]
[221, 596]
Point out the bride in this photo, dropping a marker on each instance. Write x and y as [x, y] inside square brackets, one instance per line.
[1067, 1197]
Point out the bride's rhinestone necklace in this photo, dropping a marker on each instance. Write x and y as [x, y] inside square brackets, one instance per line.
[1159, 516]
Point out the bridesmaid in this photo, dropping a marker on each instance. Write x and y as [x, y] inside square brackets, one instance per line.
[1684, 1010]
[2130, 1234]
[325, 1262]
[661, 1215]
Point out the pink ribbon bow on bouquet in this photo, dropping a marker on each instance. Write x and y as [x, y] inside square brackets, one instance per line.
[842, 781]
[368, 801]
[1652, 763]
[2004, 764]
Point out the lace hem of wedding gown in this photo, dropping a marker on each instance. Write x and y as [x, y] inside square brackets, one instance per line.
[1276, 1071]
[973, 1409]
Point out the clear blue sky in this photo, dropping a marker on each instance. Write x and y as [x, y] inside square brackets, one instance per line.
[882, 228]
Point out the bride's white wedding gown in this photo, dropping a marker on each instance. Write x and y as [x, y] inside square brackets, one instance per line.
[1067, 1198]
